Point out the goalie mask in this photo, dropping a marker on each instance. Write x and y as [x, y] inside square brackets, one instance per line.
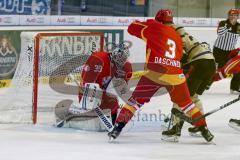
[120, 55]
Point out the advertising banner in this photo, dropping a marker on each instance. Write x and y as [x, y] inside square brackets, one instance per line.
[65, 20]
[8, 20]
[25, 7]
[215, 21]
[69, 20]
[96, 20]
[125, 21]
[33, 20]
[9, 53]
[194, 21]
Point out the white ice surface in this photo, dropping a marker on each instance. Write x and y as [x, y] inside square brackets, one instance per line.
[41, 142]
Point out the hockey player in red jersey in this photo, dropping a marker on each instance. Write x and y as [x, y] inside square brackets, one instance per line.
[231, 67]
[197, 58]
[163, 54]
[106, 71]
[102, 67]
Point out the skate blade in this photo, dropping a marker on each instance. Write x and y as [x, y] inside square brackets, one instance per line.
[111, 139]
[197, 134]
[234, 126]
[60, 124]
[170, 138]
[212, 142]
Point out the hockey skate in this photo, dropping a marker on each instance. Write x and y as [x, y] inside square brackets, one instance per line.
[194, 131]
[173, 134]
[235, 92]
[116, 131]
[235, 124]
[206, 134]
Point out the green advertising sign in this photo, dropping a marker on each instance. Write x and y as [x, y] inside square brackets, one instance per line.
[9, 53]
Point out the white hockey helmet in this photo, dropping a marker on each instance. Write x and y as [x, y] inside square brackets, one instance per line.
[120, 54]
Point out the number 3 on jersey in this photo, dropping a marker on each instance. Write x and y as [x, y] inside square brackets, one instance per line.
[172, 47]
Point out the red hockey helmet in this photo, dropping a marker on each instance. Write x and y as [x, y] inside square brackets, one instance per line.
[164, 16]
[233, 11]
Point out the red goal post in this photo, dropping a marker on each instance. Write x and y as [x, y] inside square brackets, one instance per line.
[41, 53]
[36, 60]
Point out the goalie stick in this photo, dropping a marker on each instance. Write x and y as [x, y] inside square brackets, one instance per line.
[104, 119]
[181, 115]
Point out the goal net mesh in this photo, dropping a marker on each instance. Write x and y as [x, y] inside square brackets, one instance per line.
[42, 78]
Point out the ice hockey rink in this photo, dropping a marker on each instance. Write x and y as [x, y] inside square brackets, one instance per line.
[141, 141]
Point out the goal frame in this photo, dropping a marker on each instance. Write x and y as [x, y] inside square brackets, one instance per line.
[36, 53]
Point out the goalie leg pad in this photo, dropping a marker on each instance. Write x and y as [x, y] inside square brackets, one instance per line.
[61, 109]
[89, 124]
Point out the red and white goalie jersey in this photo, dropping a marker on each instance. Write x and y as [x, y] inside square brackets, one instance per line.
[100, 69]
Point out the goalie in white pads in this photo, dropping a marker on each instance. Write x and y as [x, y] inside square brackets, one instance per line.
[99, 70]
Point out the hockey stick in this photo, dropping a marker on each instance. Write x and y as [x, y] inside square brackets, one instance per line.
[66, 119]
[106, 122]
[190, 120]
[170, 121]
[104, 119]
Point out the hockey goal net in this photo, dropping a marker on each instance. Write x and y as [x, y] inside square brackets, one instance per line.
[41, 79]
